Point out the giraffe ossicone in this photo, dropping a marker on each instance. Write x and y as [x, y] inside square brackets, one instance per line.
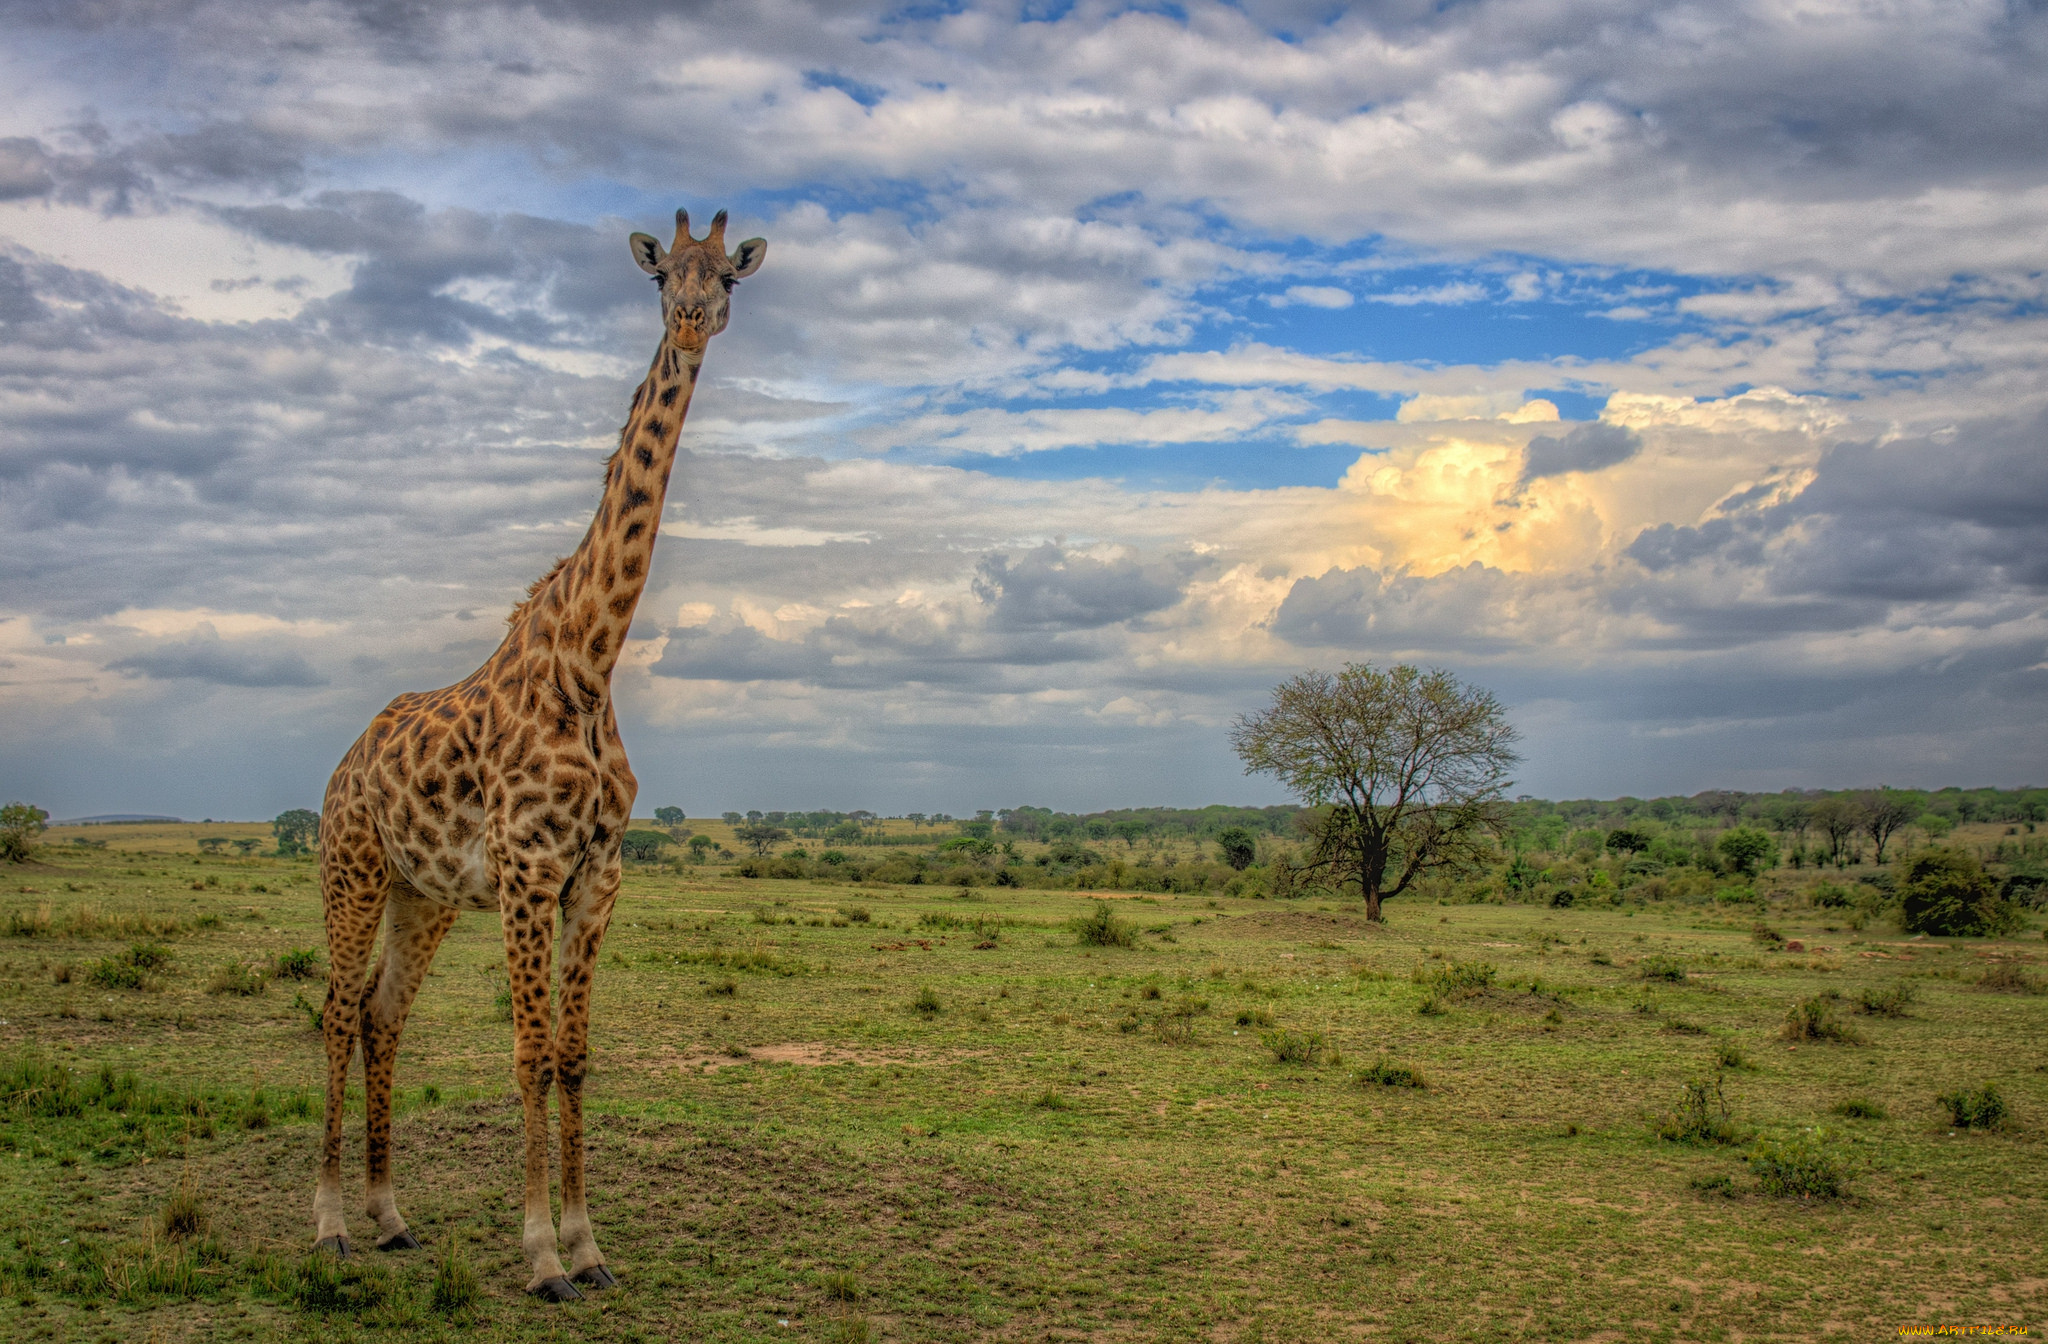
[510, 791]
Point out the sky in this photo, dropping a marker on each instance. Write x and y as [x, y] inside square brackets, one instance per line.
[1674, 371]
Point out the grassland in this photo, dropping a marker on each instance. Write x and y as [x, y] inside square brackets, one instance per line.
[841, 1112]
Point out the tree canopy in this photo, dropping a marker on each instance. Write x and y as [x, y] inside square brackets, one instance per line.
[1407, 766]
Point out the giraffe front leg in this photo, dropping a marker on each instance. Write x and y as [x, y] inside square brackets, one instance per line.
[354, 896]
[528, 911]
[584, 919]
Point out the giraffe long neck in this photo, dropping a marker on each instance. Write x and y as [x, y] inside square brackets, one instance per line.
[590, 601]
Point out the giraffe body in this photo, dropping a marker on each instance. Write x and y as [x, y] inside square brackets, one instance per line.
[510, 791]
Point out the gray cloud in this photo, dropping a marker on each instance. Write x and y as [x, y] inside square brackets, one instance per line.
[1586, 448]
[1052, 589]
[224, 664]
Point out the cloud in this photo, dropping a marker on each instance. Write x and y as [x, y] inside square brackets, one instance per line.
[214, 660]
[1054, 589]
[1313, 296]
[1586, 448]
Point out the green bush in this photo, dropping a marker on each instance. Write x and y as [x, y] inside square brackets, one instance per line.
[1980, 1108]
[1947, 892]
[1889, 1002]
[1702, 1116]
[1814, 1019]
[1659, 967]
[1101, 927]
[301, 963]
[131, 969]
[1801, 1166]
[1386, 1073]
[1297, 1047]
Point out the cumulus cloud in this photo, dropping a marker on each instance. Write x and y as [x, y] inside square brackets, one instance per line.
[327, 328]
[1586, 448]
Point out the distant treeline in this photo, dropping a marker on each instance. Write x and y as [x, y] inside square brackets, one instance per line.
[1532, 823]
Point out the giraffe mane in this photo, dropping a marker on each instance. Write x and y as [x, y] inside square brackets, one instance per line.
[533, 590]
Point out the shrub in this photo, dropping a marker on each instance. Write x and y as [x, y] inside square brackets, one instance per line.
[232, 977]
[1747, 850]
[1659, 967]
[131, 969]
[1814, 1020]
[858, 914]
[926, 1002]
[1721, 1183]
[1766, 935]
[1947, 892]
[1800, 1166]
[315, 1012]
[1386, 1073]
[1297, 1047]
[1861, 1108]
[301, 963]
[726, 988]
[1889, 1002]
[1730, 1056]
[2009, 977]
[1982, 1108]
[1701, 1117]
[1455, 979]
[1101, 927]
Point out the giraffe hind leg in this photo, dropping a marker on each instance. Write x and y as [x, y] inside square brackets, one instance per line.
[413, 933]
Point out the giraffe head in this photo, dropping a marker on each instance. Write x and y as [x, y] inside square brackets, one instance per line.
[696, 277]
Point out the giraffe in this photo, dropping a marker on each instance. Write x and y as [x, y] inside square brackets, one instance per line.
[510, 791]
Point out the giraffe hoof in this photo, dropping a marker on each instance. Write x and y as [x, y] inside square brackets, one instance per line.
[403, 1241]
[557, 1290]
[339, 1245]
[597, 1276]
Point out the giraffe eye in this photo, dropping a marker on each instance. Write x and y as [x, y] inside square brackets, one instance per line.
[728, 281]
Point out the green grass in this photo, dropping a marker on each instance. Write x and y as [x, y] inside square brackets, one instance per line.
[780, 1132]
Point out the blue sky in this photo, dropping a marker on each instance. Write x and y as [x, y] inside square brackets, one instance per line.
[1675, 373]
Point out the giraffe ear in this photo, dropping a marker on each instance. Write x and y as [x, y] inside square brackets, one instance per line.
[648, 251]
[748, 259]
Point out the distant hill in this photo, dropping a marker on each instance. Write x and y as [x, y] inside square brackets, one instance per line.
[110, 818]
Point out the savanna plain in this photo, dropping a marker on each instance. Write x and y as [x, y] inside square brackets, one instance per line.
[861, 1111]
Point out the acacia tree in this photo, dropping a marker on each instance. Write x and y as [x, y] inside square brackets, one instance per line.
[1838, 819]
[20, 824]
[1884, 811]
[1407, 767]
[297, 831]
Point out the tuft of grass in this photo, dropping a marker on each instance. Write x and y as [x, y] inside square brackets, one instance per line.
[232, 977]
[300, 963]
[1101, 927]
[1254, 1017]
[857, 914]
[331, 1285]
[1860, 1108]
[1813, 1019]
[927, 1002]
[1799, 1167]
[314, 1012]
[1975, 1108]
[1891, 1001]
[1050, 1100]
[840, 1285]
[1386, 1073]
[1456, 979]
[1297, 1047]
[1720, 1183]
[726, 988]
[1702, 1116]
[457, 1287]
[132, 969]
[183, 1216]
[1766, 935]
[501, 1002]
